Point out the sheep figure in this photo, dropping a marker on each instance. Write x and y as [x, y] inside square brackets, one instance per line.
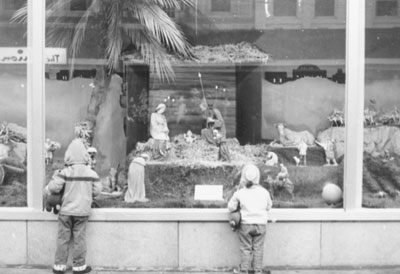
[189, 137]
[369, 117]
[380, 194]
[50, 147]
[272, 159]
[288, 137]
[296, 160]
[336, 118]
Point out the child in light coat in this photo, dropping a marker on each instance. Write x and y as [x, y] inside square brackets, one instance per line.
[254, 202]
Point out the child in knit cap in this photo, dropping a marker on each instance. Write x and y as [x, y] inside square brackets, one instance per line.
[254, 202]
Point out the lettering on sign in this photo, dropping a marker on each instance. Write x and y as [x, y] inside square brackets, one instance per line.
[20, 55]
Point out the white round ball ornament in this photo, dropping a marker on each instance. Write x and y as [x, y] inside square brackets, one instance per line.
[331, 193]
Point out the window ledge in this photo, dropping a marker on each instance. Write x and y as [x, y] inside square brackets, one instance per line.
[209, 215]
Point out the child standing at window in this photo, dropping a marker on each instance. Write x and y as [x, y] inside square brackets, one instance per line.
[79, 183]
[254, 202]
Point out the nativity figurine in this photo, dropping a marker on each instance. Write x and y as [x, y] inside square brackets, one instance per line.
[159, 132]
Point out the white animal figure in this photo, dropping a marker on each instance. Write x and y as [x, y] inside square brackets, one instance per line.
[272, 159]
[369, 117]
[297, 160]
[50, 147]
[336, 118]
[92, 151]
[189, 137]
[380, 194]
[330, 151]
[289, 137]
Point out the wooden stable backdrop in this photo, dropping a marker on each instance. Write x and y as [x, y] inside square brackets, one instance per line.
[185, 93]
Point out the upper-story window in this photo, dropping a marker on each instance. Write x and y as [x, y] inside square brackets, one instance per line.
[13, 4]
[221, 5]
[79, 5]
[324, 7]
[386, 8]
[285, 7]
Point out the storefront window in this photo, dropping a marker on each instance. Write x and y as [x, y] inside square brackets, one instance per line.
[285, 7]
[381, 186]
[13, 128]
[220, 5]
[324, 7]
[140, 99]
[386, 8]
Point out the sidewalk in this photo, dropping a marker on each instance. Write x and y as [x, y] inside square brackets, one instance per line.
[47, 270]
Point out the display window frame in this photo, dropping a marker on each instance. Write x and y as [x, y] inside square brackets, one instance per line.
[352, 209]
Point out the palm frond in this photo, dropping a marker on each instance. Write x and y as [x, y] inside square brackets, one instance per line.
[57, 37]
[56, 7]
[114, 35]
[160, 25]
[21, 15]
[80, 28]
[177, 4]
[151, 52]
[153, 33]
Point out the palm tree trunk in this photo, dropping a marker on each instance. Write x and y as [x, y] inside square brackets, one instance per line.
[102, 82]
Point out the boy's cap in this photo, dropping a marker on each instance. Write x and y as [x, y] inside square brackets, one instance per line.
[251, 174]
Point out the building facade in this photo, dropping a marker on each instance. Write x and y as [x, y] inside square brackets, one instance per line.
[43, 94]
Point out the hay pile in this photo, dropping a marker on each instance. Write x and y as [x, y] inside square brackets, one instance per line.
[243, 52]
[202, 152]
[230, 53]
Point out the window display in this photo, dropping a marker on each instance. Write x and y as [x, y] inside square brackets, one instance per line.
[221, 91]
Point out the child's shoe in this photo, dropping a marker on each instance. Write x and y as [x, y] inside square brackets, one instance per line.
[81, 270]
[237, 270]
[262, 272]
[232, 225]
[59, 269]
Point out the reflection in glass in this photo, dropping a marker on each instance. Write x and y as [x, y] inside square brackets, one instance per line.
[13, 110]
[381, 184]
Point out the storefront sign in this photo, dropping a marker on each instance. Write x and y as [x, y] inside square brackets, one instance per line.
[20, 55]
[208, 192]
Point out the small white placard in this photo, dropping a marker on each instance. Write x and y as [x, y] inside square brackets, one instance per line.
[208, 192]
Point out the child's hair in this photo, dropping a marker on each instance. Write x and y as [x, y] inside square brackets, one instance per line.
[249, 184]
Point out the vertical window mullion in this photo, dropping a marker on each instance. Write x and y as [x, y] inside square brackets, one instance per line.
[35, 104]
[354, 103]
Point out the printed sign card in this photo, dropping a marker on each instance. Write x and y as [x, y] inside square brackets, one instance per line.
[208, 192]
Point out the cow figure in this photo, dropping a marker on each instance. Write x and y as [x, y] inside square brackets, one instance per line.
[288, 137]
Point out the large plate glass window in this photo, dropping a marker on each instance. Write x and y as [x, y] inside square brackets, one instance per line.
[139, 89]
[381, 184]
[13, 110]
